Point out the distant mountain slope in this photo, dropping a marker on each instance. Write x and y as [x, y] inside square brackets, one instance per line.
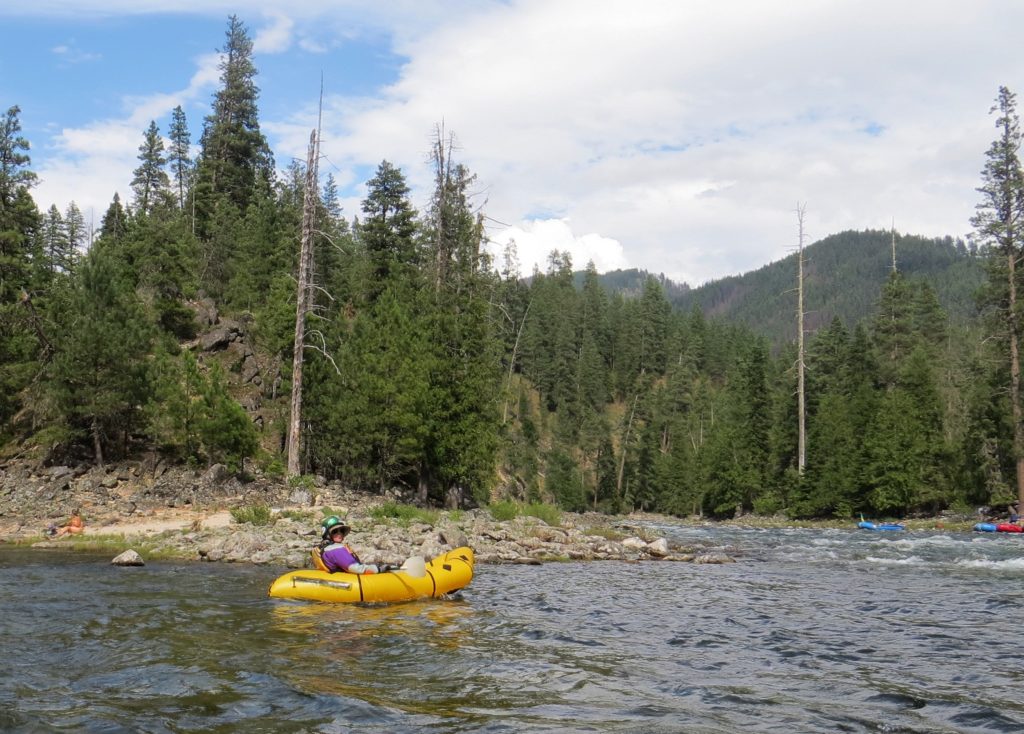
[844, 274]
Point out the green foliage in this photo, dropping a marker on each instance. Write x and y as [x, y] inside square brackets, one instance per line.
[195, 416]
[302, 516]
[504, 510]
[404, 514]
[257, 514]
[302, 481]
[226, 432]
[605, 532]
[844, 274]
[99, 376]
[235, 158]
[274, 468]
[388, 229]
[150, 182]
[550, 514]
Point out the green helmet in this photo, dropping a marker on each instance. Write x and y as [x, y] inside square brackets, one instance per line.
[332, 522]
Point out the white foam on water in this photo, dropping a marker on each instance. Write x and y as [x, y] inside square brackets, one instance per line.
[929, 541]
[908, 561]
[1007, 564]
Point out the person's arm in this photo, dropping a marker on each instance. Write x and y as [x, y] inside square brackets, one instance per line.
[342, 558]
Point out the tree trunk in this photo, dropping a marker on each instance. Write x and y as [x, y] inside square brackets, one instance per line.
[1018, 428]
[97, 443]
[301, 307]
[625, 447]
[512, 364]
[422, 489]
[801, 460]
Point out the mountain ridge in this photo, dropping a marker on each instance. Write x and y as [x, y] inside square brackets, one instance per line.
[843, 276]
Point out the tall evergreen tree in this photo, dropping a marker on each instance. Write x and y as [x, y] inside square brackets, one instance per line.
[999, 225]
[20, 224]
[55, 240]
[463, 421]
[179, 156]
[19, 218]
[235, 158]
[77, 232]
[150, 183]
[388, 232]
[742, 445]
[14, 157]
[114, 225]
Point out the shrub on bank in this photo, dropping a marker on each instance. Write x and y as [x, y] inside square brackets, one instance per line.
[508, 510]
[403, 514]
[258, 514]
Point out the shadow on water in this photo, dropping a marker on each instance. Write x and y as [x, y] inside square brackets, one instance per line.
[813, 631]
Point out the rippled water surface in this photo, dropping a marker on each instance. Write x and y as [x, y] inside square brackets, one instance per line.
[811, 631]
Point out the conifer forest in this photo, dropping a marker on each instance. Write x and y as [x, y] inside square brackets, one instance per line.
[432, 367]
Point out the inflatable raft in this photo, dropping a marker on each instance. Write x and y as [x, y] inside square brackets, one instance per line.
[442, 575]
[864, 525]
[998, 527]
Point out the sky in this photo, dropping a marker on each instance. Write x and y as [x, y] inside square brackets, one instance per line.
[675, 136]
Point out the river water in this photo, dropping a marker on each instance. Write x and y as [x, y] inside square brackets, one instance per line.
[811, 631]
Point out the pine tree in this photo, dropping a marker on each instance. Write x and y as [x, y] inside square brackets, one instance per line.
[462, 443]
[893, 326]
[999, 226]
[114, 225]
[235, 158]
[654, 327]
[77, 234]
[174, 408]
[740, 449]
[19, 218]
[20, 226]
[164, 256]
[595, 342]
[55, 241]
[179, 155]
[150, 183]
[98, 377]
[227, 434]
[14, 158]
[377, 426]
[387, 234]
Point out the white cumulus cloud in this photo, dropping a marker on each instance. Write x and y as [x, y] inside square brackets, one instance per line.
[536, 239]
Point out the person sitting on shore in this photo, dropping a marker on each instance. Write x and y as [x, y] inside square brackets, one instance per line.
[337, 556]
[74, 526]
[1014, 515]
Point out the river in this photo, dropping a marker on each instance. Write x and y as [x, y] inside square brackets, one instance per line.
[810, 631]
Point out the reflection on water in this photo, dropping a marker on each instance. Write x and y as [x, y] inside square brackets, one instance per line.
[812, 631]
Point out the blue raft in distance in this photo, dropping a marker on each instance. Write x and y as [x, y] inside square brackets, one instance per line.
[985, 527]
[864, 525]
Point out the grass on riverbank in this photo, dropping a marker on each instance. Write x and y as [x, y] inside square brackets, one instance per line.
[113, 543]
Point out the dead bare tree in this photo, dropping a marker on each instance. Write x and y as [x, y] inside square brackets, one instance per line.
[302, 303]
[893, 231]
[801, 451]
[512, 358]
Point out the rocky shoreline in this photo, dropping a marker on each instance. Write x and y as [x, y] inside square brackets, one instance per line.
[173, 512]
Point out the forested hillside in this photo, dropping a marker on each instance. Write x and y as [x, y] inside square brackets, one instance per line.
[431, 370]
[843, 277]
